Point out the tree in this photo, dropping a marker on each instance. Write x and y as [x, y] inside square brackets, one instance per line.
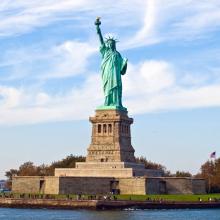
[28, 169]
[216, 179]
[210, 171]
[11, 173]
[183, 174]
[151, 165]
[68, 162]
[45, 170]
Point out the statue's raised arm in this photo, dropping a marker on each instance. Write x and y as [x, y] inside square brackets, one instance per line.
[98, 23]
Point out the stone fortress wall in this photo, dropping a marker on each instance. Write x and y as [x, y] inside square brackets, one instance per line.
[104, 185]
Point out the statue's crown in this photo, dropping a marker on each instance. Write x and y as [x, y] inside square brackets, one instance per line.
[111, 38]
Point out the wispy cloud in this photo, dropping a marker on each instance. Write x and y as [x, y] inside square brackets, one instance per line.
[202, 17]
[19, 17]
[23, 106]
[150, 86]
[148, 77]
[153, 21]
[175, 20]
[146, 33]
[67, 59]
[70, 58]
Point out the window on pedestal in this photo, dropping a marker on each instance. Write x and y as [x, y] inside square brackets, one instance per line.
[104, 128]
[99, 128]
[109, 128]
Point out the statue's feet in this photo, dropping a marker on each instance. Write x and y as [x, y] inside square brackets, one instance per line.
[109, 107]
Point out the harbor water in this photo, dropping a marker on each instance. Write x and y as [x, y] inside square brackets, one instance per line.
[130, 214]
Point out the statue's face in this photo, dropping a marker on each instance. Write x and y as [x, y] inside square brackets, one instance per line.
[111, 44]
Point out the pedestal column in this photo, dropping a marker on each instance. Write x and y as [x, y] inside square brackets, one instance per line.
[111, 137]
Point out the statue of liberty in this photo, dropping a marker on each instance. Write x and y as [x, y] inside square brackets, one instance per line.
[112, 67]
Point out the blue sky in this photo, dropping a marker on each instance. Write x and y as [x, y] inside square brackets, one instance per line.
[50, 80]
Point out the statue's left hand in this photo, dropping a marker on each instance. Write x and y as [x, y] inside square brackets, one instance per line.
[124, 69]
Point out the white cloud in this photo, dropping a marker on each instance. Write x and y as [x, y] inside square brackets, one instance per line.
[189, 19]
[20, 106]
[22, 16]
[177, 98]
[70, 58]
[174, 20]
[148, 77]
[10, 97]
[42, 99]
[146, 34]
[150, 21]
[157, 75]
[148, 87]
[18, 17]
[204, 16]
[195, 79]
[151, 86]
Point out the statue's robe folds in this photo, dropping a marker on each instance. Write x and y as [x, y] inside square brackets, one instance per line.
[113, 65]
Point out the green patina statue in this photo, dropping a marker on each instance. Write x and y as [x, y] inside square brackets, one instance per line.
[112, 67]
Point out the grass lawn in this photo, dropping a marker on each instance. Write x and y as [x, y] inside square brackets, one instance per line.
[186, 198]
[190, 198]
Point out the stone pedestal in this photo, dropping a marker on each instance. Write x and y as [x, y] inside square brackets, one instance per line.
[110, 153]
[111, 137]
[110, 167]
